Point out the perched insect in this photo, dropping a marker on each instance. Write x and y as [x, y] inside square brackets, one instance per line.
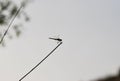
[58, 39]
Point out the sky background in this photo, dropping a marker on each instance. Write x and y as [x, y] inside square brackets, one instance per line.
[90, 30]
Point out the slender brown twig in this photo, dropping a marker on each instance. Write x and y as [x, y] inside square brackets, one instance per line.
[40, 61]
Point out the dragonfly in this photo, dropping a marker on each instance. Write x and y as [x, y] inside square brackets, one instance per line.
[57, 39]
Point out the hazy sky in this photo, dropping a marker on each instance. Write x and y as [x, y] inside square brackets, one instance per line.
[90, 30]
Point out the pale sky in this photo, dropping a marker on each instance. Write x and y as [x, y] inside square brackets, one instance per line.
[90, 30]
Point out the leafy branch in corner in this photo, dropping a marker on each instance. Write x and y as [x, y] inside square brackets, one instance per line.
[8, 9]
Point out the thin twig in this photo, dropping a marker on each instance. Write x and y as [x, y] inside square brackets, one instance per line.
[10, 24]
[40, 61]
